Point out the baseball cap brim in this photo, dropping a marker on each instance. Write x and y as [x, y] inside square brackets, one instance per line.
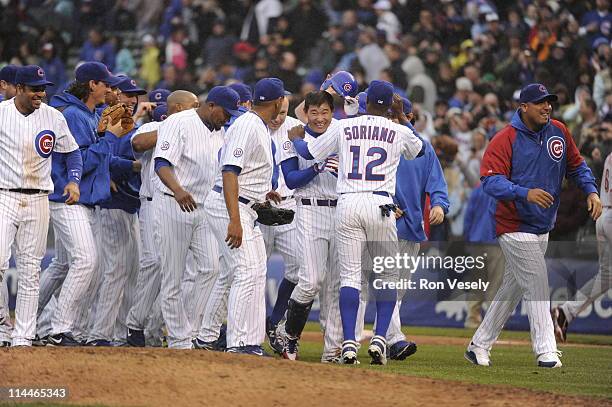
[113, 81]
[552, 97]
[42, 82]
[233, 112]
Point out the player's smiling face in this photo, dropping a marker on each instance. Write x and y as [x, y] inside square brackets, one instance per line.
[536, 115]
[99, 90]
[30, 97]
[319, 117]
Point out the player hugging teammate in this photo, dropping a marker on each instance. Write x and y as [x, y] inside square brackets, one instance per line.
[170, 222]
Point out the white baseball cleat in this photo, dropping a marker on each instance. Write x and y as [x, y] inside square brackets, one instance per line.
[549, 360]
[478, 356]
[378, 350]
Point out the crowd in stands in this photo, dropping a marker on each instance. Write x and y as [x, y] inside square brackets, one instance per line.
[461, 62]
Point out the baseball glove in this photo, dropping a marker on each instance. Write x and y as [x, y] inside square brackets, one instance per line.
[272, 216]
[113, 114]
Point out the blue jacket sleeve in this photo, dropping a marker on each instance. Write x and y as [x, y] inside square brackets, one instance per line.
[502, 189]
[436, 185]
[275, 171]
[74, 164]
[583, 177]
[294, 177]
[92, 153]
[302, 149]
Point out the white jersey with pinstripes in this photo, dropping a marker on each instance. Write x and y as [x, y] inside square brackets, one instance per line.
[146, 158]
[606, 183]
[191, 148]
[248, 145]
[369, 149]
[26, 144]
[279, 136]
[323, 185]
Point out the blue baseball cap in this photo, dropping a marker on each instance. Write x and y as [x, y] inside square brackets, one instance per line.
[535, 93]
[160, 113]
[362, 98]
[159, 95]
[225, 97]
[32, 75]
[8, 73]
[96, 71]
[380, 93]
[129, 85]
[407, 105]
[243, 90]
[268, 89]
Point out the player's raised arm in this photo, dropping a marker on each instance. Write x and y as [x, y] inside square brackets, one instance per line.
[324, 146]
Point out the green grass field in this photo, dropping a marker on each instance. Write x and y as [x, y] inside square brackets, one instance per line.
[586, 371]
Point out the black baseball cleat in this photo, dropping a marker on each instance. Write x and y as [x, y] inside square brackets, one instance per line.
[254, 350]
[401, 350]
[200, 344]
[38, 341]
[135, 338]
[99, 342]
[63, 339]
[5, 344]
[274, 340]
[560, 323]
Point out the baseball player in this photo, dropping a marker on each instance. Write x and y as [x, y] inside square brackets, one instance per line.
[186, 161]
[369, 149]
[75, 247]
[211, 335]
[119, 233]
[283, 238]
[149, 278]
[8, 89]
[30, 131]
[314, 185]
[245, 178]
[526, 185]
[564, 314]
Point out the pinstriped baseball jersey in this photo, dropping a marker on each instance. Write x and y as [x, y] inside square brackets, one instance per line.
[369, 149]
[191, 148]
[606, 188]
[248, 145]
[279, 137]
[146, 158]
[26, 144]
[323, 185]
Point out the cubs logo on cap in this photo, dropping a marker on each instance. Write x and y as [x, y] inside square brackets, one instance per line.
[41, 73]
[158, 96]
[44, 143]
[556, 148]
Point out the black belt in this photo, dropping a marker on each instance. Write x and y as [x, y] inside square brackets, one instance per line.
[26, 191]
[148, 198]
[245, 201]
[286, 197]
[320, 202]
[382, 193]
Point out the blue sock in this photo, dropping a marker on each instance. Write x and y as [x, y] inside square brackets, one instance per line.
[284, 293]
[385, 304]
[349, 305]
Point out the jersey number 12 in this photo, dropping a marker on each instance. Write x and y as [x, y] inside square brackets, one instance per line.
[379, 155]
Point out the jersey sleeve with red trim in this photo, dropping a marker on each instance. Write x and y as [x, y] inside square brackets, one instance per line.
[496, 167]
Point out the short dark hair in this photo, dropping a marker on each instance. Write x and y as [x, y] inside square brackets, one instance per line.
[80, 90]
[318, 98]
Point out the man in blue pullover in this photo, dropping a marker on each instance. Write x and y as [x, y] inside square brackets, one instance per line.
[523, 168]
[119, 233]
[75, 259]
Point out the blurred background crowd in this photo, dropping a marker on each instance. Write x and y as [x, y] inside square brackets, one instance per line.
[460, 62]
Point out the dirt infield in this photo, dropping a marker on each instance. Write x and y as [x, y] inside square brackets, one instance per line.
[158, 377]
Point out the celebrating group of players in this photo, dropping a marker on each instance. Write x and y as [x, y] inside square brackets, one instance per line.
[155, 225]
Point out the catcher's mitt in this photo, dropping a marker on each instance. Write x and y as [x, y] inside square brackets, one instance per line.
[113, 114]
[272, 216]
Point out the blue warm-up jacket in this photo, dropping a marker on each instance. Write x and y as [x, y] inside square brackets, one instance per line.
[518, 159]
